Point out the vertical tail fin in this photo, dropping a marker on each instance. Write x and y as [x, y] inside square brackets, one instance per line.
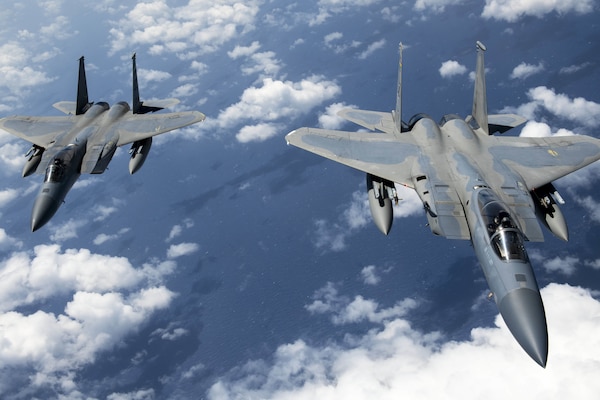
[397, 114]
[82, 93]
[479, 113]
[138, 106]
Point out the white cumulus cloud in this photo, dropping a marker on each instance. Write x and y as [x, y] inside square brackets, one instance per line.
[525, 70]
[182, 249]
[195, 28]
[579, 110]
[450, 68]
[512, 10]
[395, 361]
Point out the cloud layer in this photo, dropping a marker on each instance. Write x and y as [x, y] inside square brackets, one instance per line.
[395, 361]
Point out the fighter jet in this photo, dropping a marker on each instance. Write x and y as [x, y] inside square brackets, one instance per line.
[84, 141]
[474, 185]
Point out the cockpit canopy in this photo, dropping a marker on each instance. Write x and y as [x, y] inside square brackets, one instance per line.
[505, 237]
[56, 170]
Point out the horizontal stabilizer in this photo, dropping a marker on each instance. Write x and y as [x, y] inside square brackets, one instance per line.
[373, 120]
[500, 123]
[160, 104]
[68, 107]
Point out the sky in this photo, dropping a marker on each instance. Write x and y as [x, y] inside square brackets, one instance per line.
[232, 266]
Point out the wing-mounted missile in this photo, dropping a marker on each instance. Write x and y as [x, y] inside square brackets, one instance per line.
[380, 192]
[139, 151]
[34, 157]
[547, 210]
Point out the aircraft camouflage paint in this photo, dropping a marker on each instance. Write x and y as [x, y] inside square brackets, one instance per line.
[473, 185]
[85, 141]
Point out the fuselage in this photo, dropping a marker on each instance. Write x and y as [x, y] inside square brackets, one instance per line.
[455, 157]
[87, 147]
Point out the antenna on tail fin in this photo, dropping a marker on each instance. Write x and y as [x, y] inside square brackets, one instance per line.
[480, 115]
[82, 93]
[397, 114]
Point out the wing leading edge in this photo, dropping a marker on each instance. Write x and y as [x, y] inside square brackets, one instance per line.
[41, 131]
[385, 156]
[542, 160]
[139, 127]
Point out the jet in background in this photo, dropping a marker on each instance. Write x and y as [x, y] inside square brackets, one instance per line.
[474, 185]
[84, 141]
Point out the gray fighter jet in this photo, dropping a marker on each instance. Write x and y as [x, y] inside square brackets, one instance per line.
[492, 190]
[84, 141]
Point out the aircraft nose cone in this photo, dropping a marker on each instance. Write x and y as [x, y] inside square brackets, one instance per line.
[523, 312]
[44, 208]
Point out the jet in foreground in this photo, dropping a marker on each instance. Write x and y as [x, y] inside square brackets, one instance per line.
[84, 141]
[475, 186]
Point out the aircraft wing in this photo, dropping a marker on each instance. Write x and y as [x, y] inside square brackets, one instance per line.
[142, 126]
[41, 131]
[543, 160]
[386, 156]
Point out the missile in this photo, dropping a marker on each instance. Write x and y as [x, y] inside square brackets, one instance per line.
[548, 212]
[35, 156]
[139, 151]
[380, 203]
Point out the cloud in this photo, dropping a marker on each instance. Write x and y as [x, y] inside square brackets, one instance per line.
[190, 30]
[143, 394]
[564, 265]
[330, 119]
[182, 249]
[525, 70]
[329, 7]
[331, 235]
[274, 100]
[9, 243]
[373, 47]
[31, 277]
[579, 110]
[279, 99]
[331, 37]
[16, 74]
[343, 310]
[185, 90]
[393, 360]
[151, 75]
[369, 275]
[8, 195]
[512, 10]
[571, 69]
[177, 230]
[256, 133]
[105, 299]
[103, 238]
[244, 51]
[450, 68]
[591, 205]
[435, 5]
[57, 30]
[264, 63]
[541, 129]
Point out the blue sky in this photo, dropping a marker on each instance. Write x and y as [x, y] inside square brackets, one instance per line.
[234, 266]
